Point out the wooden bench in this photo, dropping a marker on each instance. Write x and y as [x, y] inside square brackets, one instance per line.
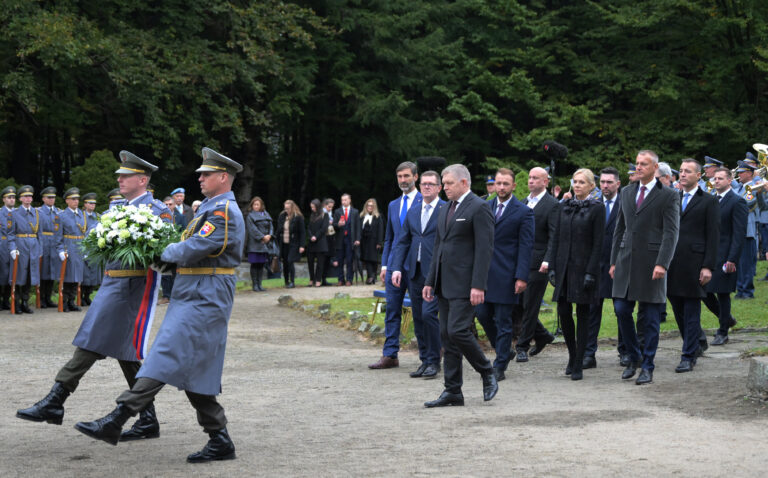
[407, 313]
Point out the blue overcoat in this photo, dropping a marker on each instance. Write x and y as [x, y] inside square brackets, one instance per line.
[49, 223]
[5, 258]
[22, 236]
[72, 226]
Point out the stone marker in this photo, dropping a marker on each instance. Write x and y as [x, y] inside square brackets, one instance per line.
[757, 379]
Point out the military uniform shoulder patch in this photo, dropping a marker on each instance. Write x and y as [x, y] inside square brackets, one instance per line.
[222, 214]
[207, 229]
[165, 215]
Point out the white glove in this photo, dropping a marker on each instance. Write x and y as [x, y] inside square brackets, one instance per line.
[162, 268]
[14, 254]
[62, 256]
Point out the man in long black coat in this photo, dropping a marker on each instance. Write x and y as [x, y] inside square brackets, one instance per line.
[694, 260]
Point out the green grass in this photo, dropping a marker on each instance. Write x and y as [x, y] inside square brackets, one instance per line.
[748, 313]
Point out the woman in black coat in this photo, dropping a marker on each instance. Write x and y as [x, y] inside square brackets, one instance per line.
[317, 246]
[372, 237]
[290, 236]
[259, 230]
[576, 271]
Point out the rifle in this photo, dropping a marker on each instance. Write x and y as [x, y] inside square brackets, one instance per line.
[13, 284]
[79, 299]
[61, 284]
[37, 287]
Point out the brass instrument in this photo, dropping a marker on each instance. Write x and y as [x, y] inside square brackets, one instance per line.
[760, 173]
[762, 153]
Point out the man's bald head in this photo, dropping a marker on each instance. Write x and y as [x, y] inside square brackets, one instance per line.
[538, 180]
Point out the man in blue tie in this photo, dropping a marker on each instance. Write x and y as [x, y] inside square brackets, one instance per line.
[406, 180]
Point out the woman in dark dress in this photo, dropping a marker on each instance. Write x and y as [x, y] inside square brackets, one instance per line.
[372, 238]
[317, 246]
[258, 226]
[576, 270]
[290, 235]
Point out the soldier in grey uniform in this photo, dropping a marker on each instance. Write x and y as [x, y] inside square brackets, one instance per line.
[24, 245]
[51, 265]
[92, 272]
[71, 232]
[113, 196]
[9, 201]
[188, 351]
[108, 327]
[749, 189]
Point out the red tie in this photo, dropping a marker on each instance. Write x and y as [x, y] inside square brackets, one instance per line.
[642, 197]
[346, 218]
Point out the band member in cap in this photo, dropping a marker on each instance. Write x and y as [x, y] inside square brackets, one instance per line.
[188, 351]
[114, 195]
[91, 273]
[185, 210]
[109, 325]
[707, 183]
[490, 187]
[9, 201]
[72, 227]
[50, 265]
[25, 246]
[751, 189]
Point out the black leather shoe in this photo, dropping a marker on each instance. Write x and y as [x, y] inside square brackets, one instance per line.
[50, 409]
[732, 322]
[577, 375]
[685, 366]
[430, 372]
[446, 399]
[419, 371]
[18, 309]
[629, 372]
[108, 427]
[146, 426]
[624, 360]
[25, 308]
[499, 373]
[522, 356]
[646, 376]
[719, 340]
[219, 447]
[589, 362]
[569, 368]
[539, 344]
[490, 386]
[73, 306]
[289, 285]
[49, 303]
[699, 351]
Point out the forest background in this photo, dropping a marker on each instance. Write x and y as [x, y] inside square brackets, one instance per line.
[321, 97]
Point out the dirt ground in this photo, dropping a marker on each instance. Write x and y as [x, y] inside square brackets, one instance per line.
[301, 402]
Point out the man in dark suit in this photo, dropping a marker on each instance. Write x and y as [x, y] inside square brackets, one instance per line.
[733, 230]
[609, 186]
[643, 245]
[346, 222]
[328, 204]
[414, 249]
[694, 260]
[545, 213]
[458, 276]
[396, 213]
[508, 274]
[185, 210]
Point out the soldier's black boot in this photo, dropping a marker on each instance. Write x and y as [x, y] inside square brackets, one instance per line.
[72, 305]
[25, 307]
[146, 426]
[19, 310]
[219, 447]
[50, 409]
[86, 295]
[255, 279]
[47, 294]
[107, 428]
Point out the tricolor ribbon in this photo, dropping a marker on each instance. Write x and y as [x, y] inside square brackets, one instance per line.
[146, 314]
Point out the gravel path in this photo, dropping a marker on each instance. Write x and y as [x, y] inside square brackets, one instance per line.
[301, 402]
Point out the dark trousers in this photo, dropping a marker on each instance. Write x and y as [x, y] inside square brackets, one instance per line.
[394, 313]
[575, 335]
[370, 269]
[720, 305]
[315, 264]
[688, 317]
[344, 257]
[763, 229]
[652, 316]
[328, 258]
[82, 361]
[426, 324]
[595, 322]
[497, 319]
[622, 348]
[22, 292]
[166, 283]
[70, 291]
[289, 271]
[456, 316]
[528, 311]
[210, 415]
[746, 269]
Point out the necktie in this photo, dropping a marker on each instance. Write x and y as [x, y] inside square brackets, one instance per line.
[425, 217]
[608, 209]
[451, 211]
[642, 197]
[346, 218]
[686, 198]
[403, 210]
[498, 211]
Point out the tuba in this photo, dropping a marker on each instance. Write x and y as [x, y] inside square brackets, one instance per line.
[762, 159]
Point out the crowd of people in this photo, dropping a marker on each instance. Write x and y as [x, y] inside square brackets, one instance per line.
[686, 239]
